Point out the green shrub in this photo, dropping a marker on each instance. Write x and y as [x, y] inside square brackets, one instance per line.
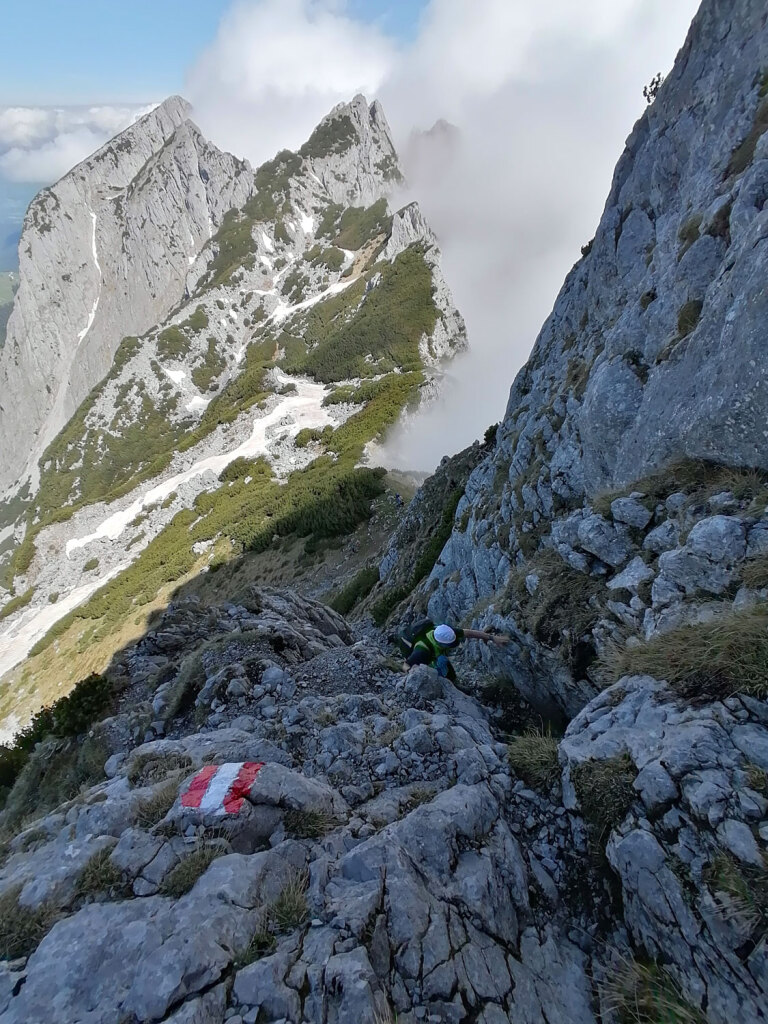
[192, 867]
[709, 659]
[533, 757]
[241, 468]
[332, 258]
[688, 317]
[355, 591]
[91, 564]
[17, 603]
[206, 374]
[388, 326]
[605, 791]
[54, 773]
[489, 438]
[21, 929]
[198, 321]
[173, 344]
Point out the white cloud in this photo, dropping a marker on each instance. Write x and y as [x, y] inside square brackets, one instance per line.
[275, 69]
[40, 144]
[544, 95]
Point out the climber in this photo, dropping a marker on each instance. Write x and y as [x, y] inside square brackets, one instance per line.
[427, 644]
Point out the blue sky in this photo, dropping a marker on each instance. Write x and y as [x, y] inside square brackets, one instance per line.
[103, 51]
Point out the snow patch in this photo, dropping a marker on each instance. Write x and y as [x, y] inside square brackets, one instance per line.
[197, 403]
[17, 641]
[81, 336]
[177, 376]
[266, 261]
[307, 223]
[282, 312]
[268, 245]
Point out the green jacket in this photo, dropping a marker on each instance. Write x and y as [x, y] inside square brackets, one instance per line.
[433, 648]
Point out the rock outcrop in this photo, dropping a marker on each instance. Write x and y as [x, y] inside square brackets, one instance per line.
[290, 829]
[104, 254]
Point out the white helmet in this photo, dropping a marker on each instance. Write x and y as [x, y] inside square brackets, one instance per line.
[445, 636]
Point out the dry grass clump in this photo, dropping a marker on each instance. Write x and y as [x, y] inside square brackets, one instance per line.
[287, 912]
[290, 909]
[100, 877]
[150, 768]
[192, 867]
[561, 609]
[533, 756]
[154, 808]
[640, 993]
[754, 572]
[704, 660]
[308, 824]
[605, 791]
[699, 479]
[21, 929]
[741, 893]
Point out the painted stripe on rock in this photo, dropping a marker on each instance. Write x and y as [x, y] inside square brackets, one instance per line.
[221, 789]
[198, 786]
[233, 801]
[213, 798]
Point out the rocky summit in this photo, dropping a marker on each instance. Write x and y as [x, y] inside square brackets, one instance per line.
[224, 799]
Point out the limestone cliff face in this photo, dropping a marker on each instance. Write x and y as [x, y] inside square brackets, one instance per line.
[654, 351]
[104, 253]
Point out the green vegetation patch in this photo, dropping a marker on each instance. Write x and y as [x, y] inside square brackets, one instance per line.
[192, 867]
[355, 591]
[744, 154]
[425, 563]
[709, 660]
[688, 317]
[334, 135]
[17, 603]
[359, 225]
[332, 258]
[387, 327]
[206, 374]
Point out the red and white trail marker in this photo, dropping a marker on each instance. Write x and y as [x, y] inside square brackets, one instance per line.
[221, 789]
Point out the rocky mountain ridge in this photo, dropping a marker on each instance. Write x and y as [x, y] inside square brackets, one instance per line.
[299, 289]
[255, 816]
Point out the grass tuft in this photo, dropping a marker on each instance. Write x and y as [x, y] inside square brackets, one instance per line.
[705, 660]
[155, 807]
[741, 893]
[100, 877]
[644, 993]
[605, 791]
[289, 910]
[21, 929]
[183, 877]
[150, 768]
[533, 757]
[308, 824]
